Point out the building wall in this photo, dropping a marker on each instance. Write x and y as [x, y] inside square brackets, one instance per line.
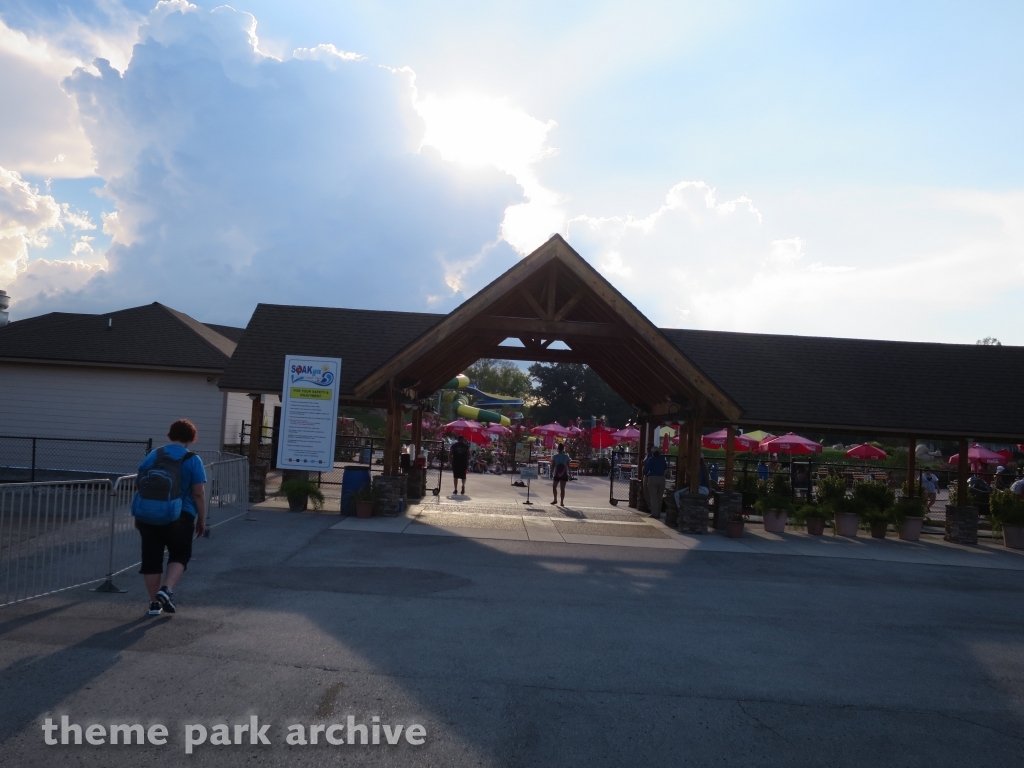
[110, 403]
[239, 409]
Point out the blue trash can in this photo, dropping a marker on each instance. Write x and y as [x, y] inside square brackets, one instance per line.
[352, 481]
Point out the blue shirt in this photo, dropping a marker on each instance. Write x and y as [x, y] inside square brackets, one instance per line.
[192, 473]
[655, 466]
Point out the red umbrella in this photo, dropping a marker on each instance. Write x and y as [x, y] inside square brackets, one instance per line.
[717, 440]
[865, 451]
[789, 443]
[469, 429]
[627, 435]
[978, 455]
[554, 429]
[602, 437]
[1006, 453]
[498, 429]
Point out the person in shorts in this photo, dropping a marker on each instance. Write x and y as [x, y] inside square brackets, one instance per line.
[175, 538]
[459, 457]
[930, 486]
[559, 473]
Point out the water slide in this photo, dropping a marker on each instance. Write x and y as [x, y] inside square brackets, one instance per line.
[463, 389]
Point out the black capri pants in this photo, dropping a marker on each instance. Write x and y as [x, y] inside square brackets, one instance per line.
[175, 537]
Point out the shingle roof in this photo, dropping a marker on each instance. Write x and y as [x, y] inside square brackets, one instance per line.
[906, 387]
[153, 335]
[363, 339]
[229, 332]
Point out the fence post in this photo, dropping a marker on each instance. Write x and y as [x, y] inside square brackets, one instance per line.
[108, 585]
[32, 470]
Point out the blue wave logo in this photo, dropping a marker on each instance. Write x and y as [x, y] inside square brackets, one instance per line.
[309, 374]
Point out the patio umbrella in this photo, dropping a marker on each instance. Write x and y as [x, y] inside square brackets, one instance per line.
[469, 429]
[627, 435]
[602, 437]
[978, 455]
[554, 429]
[789, 443]
[865, 451]
[497, 429]
[716, 440]
[758, 434]
[1006, 453]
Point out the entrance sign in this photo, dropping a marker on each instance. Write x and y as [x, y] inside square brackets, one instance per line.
[528, 473]
[309, 412]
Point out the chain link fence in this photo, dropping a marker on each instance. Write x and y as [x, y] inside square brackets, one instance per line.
[50, 459]
[59, 535]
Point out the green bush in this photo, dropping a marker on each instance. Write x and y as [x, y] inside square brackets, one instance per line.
[296, 489]
[779, 485]
[807, 512]
[1005, 508]
[955, 499]
[876, 494]
[907, 507]
[855, 505]
[773, 501]
[831, 488]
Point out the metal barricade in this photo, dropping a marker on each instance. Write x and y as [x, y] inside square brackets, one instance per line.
[57, 536]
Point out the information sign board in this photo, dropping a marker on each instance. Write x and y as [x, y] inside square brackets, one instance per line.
[309, 413]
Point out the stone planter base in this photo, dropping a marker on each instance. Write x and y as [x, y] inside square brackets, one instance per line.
[911, 528]
[417, 483]
[962, 525]
[726, 505]
[670, 510]
[388, 494]
[847, 524]
[775, 520]
[1013, 536]
[693, 516]
[815, 526]
[257, 483]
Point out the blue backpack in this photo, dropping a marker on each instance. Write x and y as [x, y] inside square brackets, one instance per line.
[157, 499]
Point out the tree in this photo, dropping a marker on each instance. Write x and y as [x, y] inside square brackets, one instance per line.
[989, 341]
[500, 377]
[566, 390]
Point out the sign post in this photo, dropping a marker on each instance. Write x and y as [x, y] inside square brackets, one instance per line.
[309, 413]
[528, 474]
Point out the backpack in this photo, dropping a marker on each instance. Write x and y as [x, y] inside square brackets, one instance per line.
[157, 499]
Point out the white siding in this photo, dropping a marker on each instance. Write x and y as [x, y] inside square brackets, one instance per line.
[239, 409]
[72, 401]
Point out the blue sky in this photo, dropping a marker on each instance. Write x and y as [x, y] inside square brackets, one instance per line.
[842, 169]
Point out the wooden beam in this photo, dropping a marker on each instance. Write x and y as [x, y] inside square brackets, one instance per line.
[255, 429]
[552, 288]
[569, 305]
[911, 468]
[534, 304]
[696, 432]
[539, 354]
[417, 430]
[517, 326]
[962, 471]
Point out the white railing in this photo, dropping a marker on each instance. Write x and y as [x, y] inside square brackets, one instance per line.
[56, 536]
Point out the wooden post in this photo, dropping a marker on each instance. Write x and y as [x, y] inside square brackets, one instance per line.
[641, 451]
[730, 455]
[417, 430]
[911, 468]
[962, 470]
[696, 430]
[683, 458]
[255, 429]
[394, 418]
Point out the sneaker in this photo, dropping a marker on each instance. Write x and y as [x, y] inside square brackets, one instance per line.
[166, 598]
[155, 609]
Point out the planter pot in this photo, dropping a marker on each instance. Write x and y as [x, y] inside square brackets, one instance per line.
[775, 520]
[815, 526]
[879, 529]
[911, 528]
[847, 524]
[734, 529]
[297, 503]
[1013, 536]
[364, 508]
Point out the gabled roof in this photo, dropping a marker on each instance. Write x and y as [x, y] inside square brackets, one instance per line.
[851, 385]
[364, 340]
[150, 336]
[229, 332]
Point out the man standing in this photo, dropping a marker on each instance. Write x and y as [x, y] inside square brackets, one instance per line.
[930, 486]
[654, 477]
[559, 473]
[175, 536]
[459, 457]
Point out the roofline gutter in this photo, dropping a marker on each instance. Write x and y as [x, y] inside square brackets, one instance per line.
[121, 366]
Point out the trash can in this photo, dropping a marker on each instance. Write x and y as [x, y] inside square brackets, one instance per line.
[366, 455]
[352, 481]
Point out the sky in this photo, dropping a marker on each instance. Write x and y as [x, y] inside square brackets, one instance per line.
[843, 169]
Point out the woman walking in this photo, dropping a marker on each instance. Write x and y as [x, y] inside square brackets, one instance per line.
[559, 473]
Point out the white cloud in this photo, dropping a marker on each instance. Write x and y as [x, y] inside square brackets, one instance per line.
[25, 217]
[240, 178]
[326, 53]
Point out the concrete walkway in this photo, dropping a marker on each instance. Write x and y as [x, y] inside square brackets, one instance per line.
[622, 527]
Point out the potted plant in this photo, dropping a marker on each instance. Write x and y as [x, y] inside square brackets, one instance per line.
[1006, 512]
[909, 515]
[847, 513]
[362, 500]
[734, 526]
[299, 492]
[876, 520]
[813, 516]
[878, 499]
[775, 511]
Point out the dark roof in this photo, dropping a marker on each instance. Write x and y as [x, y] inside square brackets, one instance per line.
[364, 340]
[153, 335]
[880, 386]
[229, 332]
